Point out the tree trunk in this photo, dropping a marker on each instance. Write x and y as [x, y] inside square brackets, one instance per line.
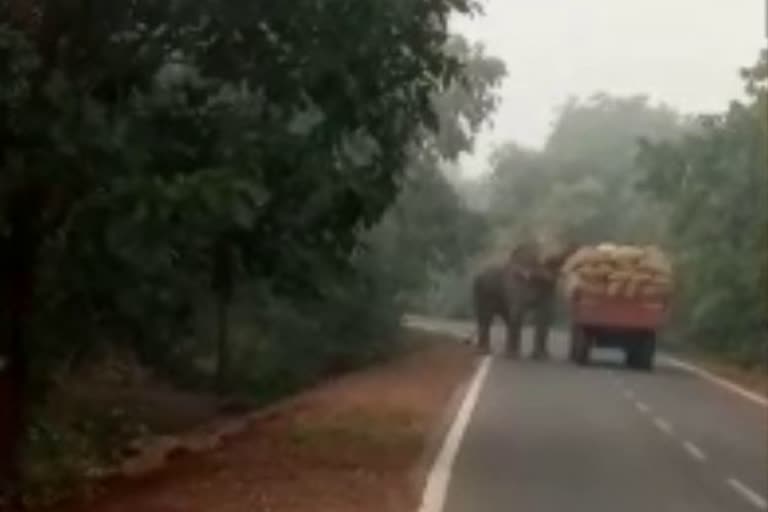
[222, 284]
[12, 424]
[17, 272]
[222, 344]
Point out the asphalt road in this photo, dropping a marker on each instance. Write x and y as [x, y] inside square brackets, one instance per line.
[547, 437]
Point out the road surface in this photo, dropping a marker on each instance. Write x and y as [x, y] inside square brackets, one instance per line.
[548, 437]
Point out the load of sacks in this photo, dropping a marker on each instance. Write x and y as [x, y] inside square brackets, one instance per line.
[630, 272]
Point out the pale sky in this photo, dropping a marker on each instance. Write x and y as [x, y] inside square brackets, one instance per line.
[686, 53]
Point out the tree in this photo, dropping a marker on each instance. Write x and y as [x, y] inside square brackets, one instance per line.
[194, 131]
[714, 183]
[429, 230]
[581, 185]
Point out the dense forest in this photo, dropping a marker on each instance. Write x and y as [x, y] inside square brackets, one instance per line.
[228, 193]
[713, 185]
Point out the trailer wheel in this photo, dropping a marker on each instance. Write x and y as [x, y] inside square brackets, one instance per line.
[580, 346]
[641, 352]
[572, 344]
[647, 353]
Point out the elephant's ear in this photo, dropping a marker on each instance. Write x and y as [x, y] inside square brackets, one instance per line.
[552, 264]
[523, 254]
[519, 270]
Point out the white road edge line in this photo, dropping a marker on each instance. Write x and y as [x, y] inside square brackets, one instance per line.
[748, 494]
[663, 425]
[694, 451]
[433, 498]
[642, 407]
[723, 383]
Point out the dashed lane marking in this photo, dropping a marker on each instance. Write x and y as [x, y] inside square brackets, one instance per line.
[663, 425]
[694, 451]
[748, 494]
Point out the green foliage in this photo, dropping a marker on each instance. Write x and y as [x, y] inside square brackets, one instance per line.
[468, 103]
[228, 123]
[580, 186]
[429, 232]
[62, 452]
[715, 183]
[155, 156]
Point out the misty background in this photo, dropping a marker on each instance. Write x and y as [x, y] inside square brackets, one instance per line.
[685, 53]
[238, 210]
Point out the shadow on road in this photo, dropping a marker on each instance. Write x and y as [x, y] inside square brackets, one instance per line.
[661, 369]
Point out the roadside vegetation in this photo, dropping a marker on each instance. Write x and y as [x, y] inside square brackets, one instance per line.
[207, 200]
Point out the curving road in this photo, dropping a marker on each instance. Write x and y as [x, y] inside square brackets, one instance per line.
[548, 437]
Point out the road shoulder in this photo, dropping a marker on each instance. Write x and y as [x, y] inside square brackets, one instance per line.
[751, 385]
[347, 446]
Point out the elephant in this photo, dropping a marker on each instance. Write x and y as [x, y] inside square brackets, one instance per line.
[525, 283]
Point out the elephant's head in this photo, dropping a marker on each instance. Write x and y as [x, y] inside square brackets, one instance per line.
[548, 266]
[522, 261]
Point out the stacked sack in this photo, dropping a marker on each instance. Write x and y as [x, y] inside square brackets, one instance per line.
[631, 272]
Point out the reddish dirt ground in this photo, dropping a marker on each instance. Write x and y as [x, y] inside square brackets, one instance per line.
[352, 445]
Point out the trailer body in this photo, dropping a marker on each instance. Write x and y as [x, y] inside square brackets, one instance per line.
[631, 325]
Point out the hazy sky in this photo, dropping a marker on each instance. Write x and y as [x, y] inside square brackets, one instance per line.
[686, 53]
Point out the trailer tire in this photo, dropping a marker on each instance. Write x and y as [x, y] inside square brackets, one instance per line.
[572, 344]
[641, 352]
[580, 346]
[647, 353]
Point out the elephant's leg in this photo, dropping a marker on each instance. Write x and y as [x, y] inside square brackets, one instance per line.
[514, 322]
[484, 333]
[543, 315]
[484, 319]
